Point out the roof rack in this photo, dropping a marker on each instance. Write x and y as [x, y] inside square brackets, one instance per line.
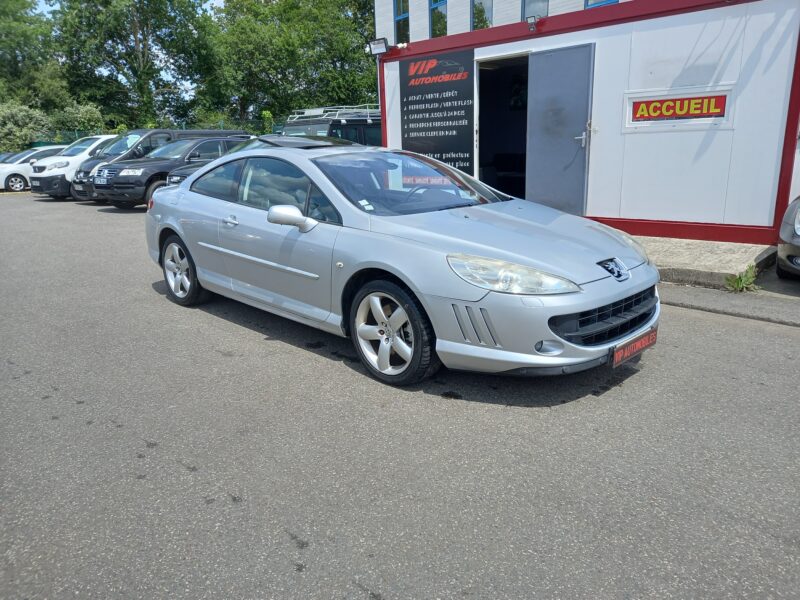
[368, 111]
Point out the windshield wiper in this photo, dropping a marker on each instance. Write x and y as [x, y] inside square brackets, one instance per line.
[455, 206]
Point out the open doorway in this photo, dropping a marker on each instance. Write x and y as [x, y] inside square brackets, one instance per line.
[502, 123]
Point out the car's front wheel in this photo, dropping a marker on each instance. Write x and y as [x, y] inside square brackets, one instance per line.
[180, 274]
[392, 334]
[16, 183]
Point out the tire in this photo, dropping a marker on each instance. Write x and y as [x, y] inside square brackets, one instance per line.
[177, 292]
[16, 183]
[411, 342]
[152, 188]
[783, 273]
[123, 204]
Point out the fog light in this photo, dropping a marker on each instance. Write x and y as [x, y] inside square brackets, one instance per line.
[549, 347]
[795, 260]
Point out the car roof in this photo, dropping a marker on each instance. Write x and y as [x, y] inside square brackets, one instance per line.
[305, 142]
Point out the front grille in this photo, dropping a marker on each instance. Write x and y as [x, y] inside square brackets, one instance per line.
[107, 173]
[39, 169]
[606, 323]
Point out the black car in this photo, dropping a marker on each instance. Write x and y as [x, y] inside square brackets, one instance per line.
[134, 144]
[788, 264]
[264, 141]
[127, 183]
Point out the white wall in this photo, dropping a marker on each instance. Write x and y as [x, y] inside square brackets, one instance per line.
[384, 20]
[459, 16]
[506, 11]
[557, 7]
[420, 14]
[702, 171]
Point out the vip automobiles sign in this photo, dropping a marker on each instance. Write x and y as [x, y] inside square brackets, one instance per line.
[436, 107]
[665, 109]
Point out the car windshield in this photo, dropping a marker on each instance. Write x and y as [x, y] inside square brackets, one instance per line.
[402, 183]
[75, 148]
[122, 144]
[172, 150]
[14, 158]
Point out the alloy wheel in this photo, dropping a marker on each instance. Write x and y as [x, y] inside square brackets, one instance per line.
[176, 270]
[384, 333]
[16, 183]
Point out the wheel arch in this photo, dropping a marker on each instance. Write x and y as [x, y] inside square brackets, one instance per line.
[10, 175]
[363, 276]
[162, 237]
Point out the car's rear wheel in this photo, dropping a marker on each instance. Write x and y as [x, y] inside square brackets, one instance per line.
[180, 274]
[16, 183]
[392, 334]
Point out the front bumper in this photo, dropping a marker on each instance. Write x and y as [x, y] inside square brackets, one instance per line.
[500, 332]
[83, 189]
[789, 256]
[126, 190]
[53, 185]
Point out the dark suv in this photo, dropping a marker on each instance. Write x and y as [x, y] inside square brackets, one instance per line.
[134, 144]
[127, 183]
[359, 124]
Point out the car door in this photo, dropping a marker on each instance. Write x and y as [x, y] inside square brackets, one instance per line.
[278, 264]
[202, 209]
[206, 151]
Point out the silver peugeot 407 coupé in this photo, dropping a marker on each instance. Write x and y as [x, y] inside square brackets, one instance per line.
[418, 263]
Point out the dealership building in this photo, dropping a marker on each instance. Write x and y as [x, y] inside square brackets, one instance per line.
[675, 118]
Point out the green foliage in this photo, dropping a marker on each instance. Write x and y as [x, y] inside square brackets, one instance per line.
[480, 20]
[111, 63]
[81, 117]
[20, 126]
[267, 120]
[744, 281]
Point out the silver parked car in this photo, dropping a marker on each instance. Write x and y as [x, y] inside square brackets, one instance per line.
[418, 263]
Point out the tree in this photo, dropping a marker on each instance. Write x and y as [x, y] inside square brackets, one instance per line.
[140, 43]
[80, 117]
[281, 55]
[20, 126]
[24, 36]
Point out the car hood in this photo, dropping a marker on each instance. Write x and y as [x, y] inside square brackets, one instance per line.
[518, 231]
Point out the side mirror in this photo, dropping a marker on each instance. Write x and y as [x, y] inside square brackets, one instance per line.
[31, 161]
[193, 155]
[138, 152]
[286, 214]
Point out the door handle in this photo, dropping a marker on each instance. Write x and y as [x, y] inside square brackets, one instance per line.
[582, 138]
[231, 221]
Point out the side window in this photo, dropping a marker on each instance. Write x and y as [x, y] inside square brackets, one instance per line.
[372, 136]
[208, 150]
[228, 145]
[159, 139]
[220, 182]
[268, 182]
[346, 132]
[320, 208]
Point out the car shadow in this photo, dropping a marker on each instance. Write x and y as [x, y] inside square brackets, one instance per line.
[504, 390]
[122, 211]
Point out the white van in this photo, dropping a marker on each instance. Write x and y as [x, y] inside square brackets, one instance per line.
[53, 176]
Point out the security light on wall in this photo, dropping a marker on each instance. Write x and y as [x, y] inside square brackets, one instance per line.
[532, 21]
[378, 47]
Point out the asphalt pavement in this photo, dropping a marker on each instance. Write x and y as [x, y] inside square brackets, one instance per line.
[153, 451]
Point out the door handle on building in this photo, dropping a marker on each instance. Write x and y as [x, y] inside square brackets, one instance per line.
[582, 138]
[231, 221]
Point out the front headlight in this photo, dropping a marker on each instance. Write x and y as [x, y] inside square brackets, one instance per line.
[635, 245]
[174, 179]
[58, 165]
[797, 222]
[131, 172]
[506, 277]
